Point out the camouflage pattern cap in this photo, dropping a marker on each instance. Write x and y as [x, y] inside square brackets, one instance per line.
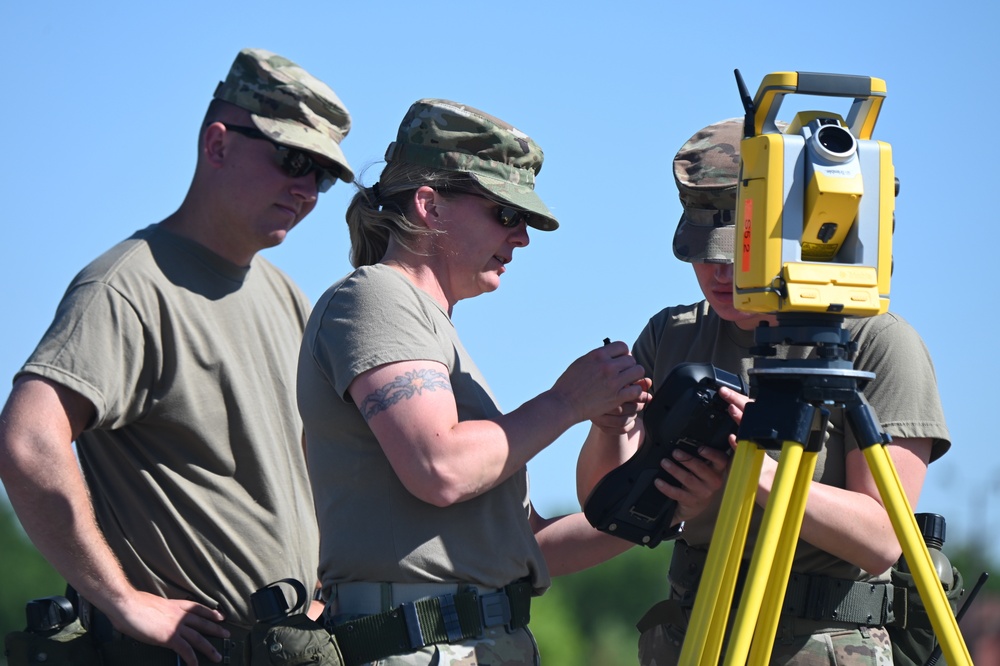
[445, 135]
[706, 170]
[289, 105]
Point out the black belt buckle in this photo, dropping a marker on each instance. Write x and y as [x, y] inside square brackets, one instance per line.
[414, 632]
[495, 608]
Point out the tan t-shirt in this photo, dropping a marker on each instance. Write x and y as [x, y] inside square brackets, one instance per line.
[372, 528]
[194, 460]
[903, 395]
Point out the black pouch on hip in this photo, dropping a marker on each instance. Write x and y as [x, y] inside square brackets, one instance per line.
[53, 636]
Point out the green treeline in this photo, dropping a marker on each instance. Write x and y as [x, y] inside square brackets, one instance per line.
[587, 619]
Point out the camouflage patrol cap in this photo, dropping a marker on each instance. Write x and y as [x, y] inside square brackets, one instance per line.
[706, 170]
[445, 135]
[289, 105]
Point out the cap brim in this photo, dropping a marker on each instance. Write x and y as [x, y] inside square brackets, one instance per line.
[697, 243]
[296, 135]
[519, 196]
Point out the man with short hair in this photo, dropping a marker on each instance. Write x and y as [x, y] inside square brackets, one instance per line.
[846, 541]
[171, 363]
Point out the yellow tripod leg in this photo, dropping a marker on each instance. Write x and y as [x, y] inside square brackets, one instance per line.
[768, 542]
[917, 556]
[777, 584]
[737, 544]
[703, 642]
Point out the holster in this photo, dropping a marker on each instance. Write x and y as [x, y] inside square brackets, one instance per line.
[70, 646]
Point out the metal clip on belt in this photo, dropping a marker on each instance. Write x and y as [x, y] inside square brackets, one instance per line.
[443, 619]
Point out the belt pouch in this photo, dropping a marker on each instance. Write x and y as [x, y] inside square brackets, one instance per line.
[294, 640]
[70, 646]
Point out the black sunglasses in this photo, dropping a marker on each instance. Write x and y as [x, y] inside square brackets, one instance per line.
[507, 216]
[511, 217]
[293, 162]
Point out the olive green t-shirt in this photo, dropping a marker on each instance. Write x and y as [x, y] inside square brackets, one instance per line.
[903, 395]
[372, 528]
[194, 460]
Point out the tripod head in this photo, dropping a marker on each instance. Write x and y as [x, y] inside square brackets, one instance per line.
[826, 333]
[814, 202]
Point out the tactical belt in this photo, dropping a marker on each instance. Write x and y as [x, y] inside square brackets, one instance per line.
[809, 597]
[445, 618]
[824, 598]
[117, 649]
[125, 651]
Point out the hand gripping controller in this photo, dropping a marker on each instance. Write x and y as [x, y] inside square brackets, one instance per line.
[686, 412]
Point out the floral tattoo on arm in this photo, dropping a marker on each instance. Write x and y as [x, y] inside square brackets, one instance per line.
[403, 387]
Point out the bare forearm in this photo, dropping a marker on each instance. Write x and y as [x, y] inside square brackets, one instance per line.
[46, 489]
[851, 522]
[39, 423]
[475, 456]
[56, 512]
[443, 459]
[851, 526]
[602, 452]
[570, 544]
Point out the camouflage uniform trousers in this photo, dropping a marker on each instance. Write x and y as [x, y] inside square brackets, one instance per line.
[796, 644]
[495, 648]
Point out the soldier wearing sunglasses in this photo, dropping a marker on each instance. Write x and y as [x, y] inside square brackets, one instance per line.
[169, 363]
[413, 464]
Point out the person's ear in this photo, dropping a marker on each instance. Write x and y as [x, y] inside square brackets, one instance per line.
[427, 206]
[213, 146]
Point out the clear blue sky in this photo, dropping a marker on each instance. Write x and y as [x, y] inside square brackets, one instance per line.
[102, 102]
